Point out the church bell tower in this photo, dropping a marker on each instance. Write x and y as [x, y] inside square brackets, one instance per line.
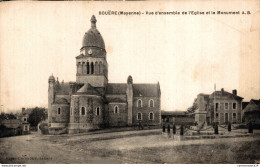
[91, 63]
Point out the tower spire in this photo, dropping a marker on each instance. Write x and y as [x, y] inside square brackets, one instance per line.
[93, 21]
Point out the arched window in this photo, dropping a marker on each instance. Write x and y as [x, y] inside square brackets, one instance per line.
[59, 111]
[84, 68]
[139, 116]
[116, 109]
[99, 68]
[139, 103]
[151, 103]
[92, 68]
[87, 67]
[96, 68]
[83, 111]
[98, 111]
[151, 116]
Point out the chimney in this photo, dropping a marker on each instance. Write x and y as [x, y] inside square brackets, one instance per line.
[23, 110]
[234, 92]
[222, 90]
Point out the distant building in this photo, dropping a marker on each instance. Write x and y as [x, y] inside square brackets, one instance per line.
[92, 102]
[223, 107]
[177, 118]
[251, 113]
[12, 127]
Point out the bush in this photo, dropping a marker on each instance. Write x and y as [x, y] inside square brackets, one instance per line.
[44, 128]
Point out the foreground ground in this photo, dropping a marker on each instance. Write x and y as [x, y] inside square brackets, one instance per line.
[147, 146]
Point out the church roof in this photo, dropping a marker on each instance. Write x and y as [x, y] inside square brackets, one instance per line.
[147, 90]
[88, 89]
[61, 101]
[63, 89]
[116, 88]
[93, 38]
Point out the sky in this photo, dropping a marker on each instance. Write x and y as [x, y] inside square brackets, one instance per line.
[186, 54]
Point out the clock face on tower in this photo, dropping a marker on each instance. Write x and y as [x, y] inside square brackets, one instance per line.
[89, 51]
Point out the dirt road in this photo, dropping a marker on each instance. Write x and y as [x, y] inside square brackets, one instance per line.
[126, 147]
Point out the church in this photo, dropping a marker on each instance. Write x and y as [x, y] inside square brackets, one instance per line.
[92, 102]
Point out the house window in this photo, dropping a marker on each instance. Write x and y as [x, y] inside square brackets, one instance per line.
[24, 119]
[116, 109]
[25, 128]
[139, 116]
[139, 103]
[151, 116]
[83, 112]
[234, 117]
[59, 111]
[234, 106]
[217, 106]
[151, 103]
[226, 106]
[98, 111]
[216, 115]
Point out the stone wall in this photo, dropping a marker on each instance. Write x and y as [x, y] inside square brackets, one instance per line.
[90, 120]
[117, 119]
[222, 110]
[63, 117]
[145, 110]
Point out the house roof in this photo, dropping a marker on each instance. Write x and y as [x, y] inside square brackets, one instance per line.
[174, 113]
[225, 93]
[257, 102]
[11, 123]
[244, 104]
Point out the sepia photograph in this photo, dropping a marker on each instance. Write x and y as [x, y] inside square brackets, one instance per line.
[144, 82]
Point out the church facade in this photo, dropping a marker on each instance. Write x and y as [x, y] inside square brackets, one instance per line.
[92, 102]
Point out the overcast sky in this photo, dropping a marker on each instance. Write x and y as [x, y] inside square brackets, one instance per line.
[186, 54]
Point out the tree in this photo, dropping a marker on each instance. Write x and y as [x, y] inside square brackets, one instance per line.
[194, 106]
[7, 116]
[36, 116]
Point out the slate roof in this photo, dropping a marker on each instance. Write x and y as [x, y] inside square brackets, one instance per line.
[61, 101]
[146, 90]
[93, 37]
[88, 89]
[244, 104]
[257, 102]
[63, 88]
[174, 113]
[225, 93]
[116, 88]
[11, 123]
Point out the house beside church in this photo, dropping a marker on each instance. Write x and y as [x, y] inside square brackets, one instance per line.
[221, 107]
